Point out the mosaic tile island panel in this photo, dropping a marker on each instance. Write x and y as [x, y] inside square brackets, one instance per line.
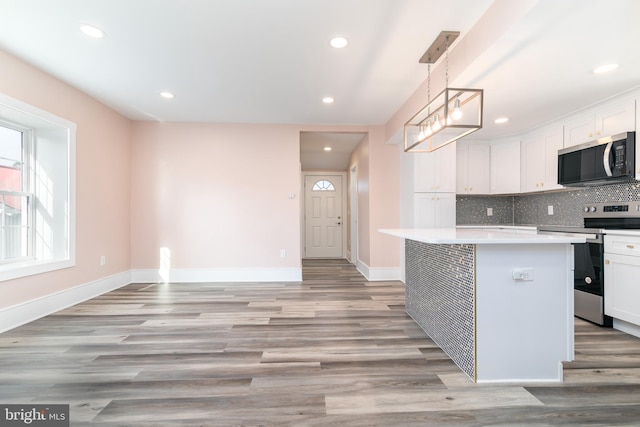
[440, 297]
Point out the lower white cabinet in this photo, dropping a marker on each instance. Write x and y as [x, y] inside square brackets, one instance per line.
[434, 210]
[621, 273]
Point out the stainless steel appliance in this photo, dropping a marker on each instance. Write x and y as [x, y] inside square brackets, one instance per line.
[605, 161]
[589, 257]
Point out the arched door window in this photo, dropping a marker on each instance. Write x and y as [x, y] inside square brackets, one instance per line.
[323, 185]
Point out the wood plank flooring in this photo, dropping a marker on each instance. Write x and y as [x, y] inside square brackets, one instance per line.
[334, 350]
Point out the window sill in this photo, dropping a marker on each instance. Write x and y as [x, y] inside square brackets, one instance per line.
[18, 270]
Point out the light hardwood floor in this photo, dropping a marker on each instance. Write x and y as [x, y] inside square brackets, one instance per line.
[332, 350]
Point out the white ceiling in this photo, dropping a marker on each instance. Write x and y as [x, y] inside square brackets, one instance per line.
[314, 157]
[269, 61]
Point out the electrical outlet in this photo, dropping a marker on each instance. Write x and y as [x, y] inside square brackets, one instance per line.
[489, 211]
[103, 260]
[283, 253]
[522, 274]
[550, 209]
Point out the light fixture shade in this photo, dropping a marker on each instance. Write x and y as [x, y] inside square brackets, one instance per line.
[468, 119]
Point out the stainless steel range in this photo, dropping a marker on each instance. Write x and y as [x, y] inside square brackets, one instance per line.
[589, 257]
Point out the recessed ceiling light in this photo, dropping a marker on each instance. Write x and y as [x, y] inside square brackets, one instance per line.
[327, 148]
[167, 95]
[501, 120]
[605, 68]
[338, 42]
[328, 100]
[91, 31]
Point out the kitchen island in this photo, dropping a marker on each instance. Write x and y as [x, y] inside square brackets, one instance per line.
[499, 302]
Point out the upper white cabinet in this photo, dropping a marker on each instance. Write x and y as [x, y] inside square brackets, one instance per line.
[473, 167]
[610, 118]
[539, 159]
[435, 172]
[505, 166]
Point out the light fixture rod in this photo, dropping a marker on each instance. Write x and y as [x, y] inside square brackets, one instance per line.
[439, 46]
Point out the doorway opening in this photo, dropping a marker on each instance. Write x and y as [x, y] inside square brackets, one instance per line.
[328, 194]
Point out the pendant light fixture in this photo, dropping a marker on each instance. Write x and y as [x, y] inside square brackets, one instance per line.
[453, 114]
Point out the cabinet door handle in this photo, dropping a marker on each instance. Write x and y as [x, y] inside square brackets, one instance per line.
[630, 246]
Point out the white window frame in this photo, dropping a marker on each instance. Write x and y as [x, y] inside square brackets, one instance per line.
[29, 119]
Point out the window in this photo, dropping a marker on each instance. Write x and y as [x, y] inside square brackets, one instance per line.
[37, 203]
[323, 185]
[15, 202]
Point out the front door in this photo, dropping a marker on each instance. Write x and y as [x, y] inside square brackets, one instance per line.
[323, 216]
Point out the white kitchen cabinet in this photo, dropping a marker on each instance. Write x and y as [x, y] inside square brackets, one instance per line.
[621, 272]
[539, 159]
[434, 210]
[638, 126]
[473, 164]
[436, 171]
[609, 118]
[505, 166]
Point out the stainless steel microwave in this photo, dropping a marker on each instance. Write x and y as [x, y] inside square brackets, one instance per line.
[605, 161]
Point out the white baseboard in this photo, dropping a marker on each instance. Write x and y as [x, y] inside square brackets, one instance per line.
[218, 275]
[627, 327]
[379, 274]
[15, 316]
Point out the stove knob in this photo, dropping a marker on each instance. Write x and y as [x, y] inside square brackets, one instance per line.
[593, 209]
[586, 209]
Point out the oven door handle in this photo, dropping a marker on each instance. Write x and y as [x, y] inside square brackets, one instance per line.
[606, 160]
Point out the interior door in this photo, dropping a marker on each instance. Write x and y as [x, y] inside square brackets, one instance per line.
[324, 219]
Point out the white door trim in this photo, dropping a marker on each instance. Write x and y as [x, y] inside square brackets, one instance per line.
[303, 205]
[353, 213]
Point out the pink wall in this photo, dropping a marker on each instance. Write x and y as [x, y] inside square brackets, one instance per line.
[102, 175]
[384, 201]
[216, 195]
[378, 166]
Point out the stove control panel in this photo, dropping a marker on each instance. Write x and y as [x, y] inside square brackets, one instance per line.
[616, 208]
[612, 210]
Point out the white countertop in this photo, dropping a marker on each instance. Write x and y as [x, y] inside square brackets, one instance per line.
[501, 227]
[623, 232]
[478, 236]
